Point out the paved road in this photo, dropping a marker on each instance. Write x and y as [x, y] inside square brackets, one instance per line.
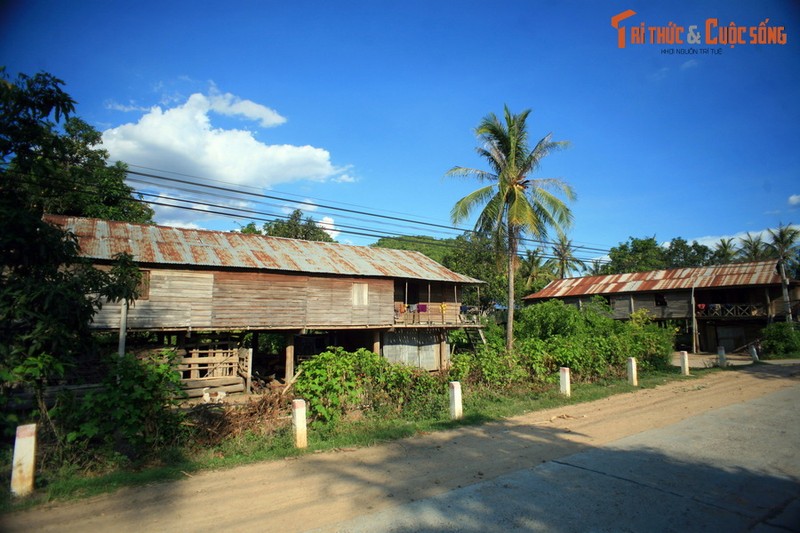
[732, 469]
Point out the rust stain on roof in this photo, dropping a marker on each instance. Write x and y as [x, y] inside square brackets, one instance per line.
[102, 240]
[739, 274]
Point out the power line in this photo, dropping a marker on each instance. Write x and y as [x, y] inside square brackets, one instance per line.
[340, 209]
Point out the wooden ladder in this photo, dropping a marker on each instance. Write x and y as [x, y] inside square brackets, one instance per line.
[475, 336]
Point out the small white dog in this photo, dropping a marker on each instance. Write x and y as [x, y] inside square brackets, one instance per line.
[213, 397]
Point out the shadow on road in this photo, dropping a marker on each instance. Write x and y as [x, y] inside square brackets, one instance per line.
[724, 471]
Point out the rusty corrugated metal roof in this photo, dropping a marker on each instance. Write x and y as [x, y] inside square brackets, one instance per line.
[740, 274]
[102, 239]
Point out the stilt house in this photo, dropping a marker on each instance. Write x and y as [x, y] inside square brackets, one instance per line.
[395, 302]
[721, 305]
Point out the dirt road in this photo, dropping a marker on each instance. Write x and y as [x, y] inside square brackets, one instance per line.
[326, 488]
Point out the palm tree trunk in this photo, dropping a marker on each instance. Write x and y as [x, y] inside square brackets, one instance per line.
[787, 304]
[512, 251]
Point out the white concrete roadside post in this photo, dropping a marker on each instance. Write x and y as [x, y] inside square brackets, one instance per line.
[566, 387]
[721, 359]
[633, 375]
[23, 467]
[753, 353]
[684, 363]
[456, 409]
[299, 423]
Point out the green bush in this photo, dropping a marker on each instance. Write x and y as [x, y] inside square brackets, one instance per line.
[780, 339]
[588, 341]
[132, 412]
[337, 382]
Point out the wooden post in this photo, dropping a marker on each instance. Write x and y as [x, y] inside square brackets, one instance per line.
[249, 379]
[299, 423]
[633, 376]
[289, 374]
[684, 363]
[444, 354]
[123, 326]
[376, 341]
[721, 359]
[566, 386]
[23, 467]
[456, 410]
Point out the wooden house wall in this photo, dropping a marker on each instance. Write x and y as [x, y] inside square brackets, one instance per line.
[330, 302]
[677, 304]
[180, 299]
[258, 299]
[176, 299]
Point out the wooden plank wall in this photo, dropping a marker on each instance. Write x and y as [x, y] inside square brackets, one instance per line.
[258, 299]
[178, 299]
[330, 302]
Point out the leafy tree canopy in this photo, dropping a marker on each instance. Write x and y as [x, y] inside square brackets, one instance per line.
[436, 249]
[293, 227]
[53, 158]
[48, 294]
[635, 255]
[474, 255]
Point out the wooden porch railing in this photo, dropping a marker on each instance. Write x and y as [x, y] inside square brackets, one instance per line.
[731, 310]
[435, 313]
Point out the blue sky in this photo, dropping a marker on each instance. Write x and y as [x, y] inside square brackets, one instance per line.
[366, 105]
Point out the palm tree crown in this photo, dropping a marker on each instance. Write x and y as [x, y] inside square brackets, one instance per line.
[564, 260]
[513, 203]
[752, 248]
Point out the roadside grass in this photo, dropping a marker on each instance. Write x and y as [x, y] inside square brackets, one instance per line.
[481, 405]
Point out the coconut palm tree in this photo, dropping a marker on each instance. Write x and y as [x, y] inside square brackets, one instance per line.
[783, 246]
[724, 252]
[535, 271]
[513, 203]
[564, 260]
[752, 248]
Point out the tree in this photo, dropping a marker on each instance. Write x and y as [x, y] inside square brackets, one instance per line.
[434, 248]
[534, 271]
[636, 255]
[293, 227]
[564, 261]
[680, 254]
[725, 252]
[752, 248]
[783, 244]
[472, 254]
[88, 185]
[48, 293]
[513, 203]
[57, 164]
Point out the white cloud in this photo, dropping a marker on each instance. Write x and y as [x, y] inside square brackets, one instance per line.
[794, 199]
[344, 178]
[126, 108]
[230, 105]
[182, 139]
[328, 225]
[689, 64]
[180, 224]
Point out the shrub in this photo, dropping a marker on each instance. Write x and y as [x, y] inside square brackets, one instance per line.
[780, 339]
[588, 340]
[132, 413]
[337, 382]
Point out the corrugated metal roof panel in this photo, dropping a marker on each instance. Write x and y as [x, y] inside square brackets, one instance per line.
[101, 239]
[739, 274]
